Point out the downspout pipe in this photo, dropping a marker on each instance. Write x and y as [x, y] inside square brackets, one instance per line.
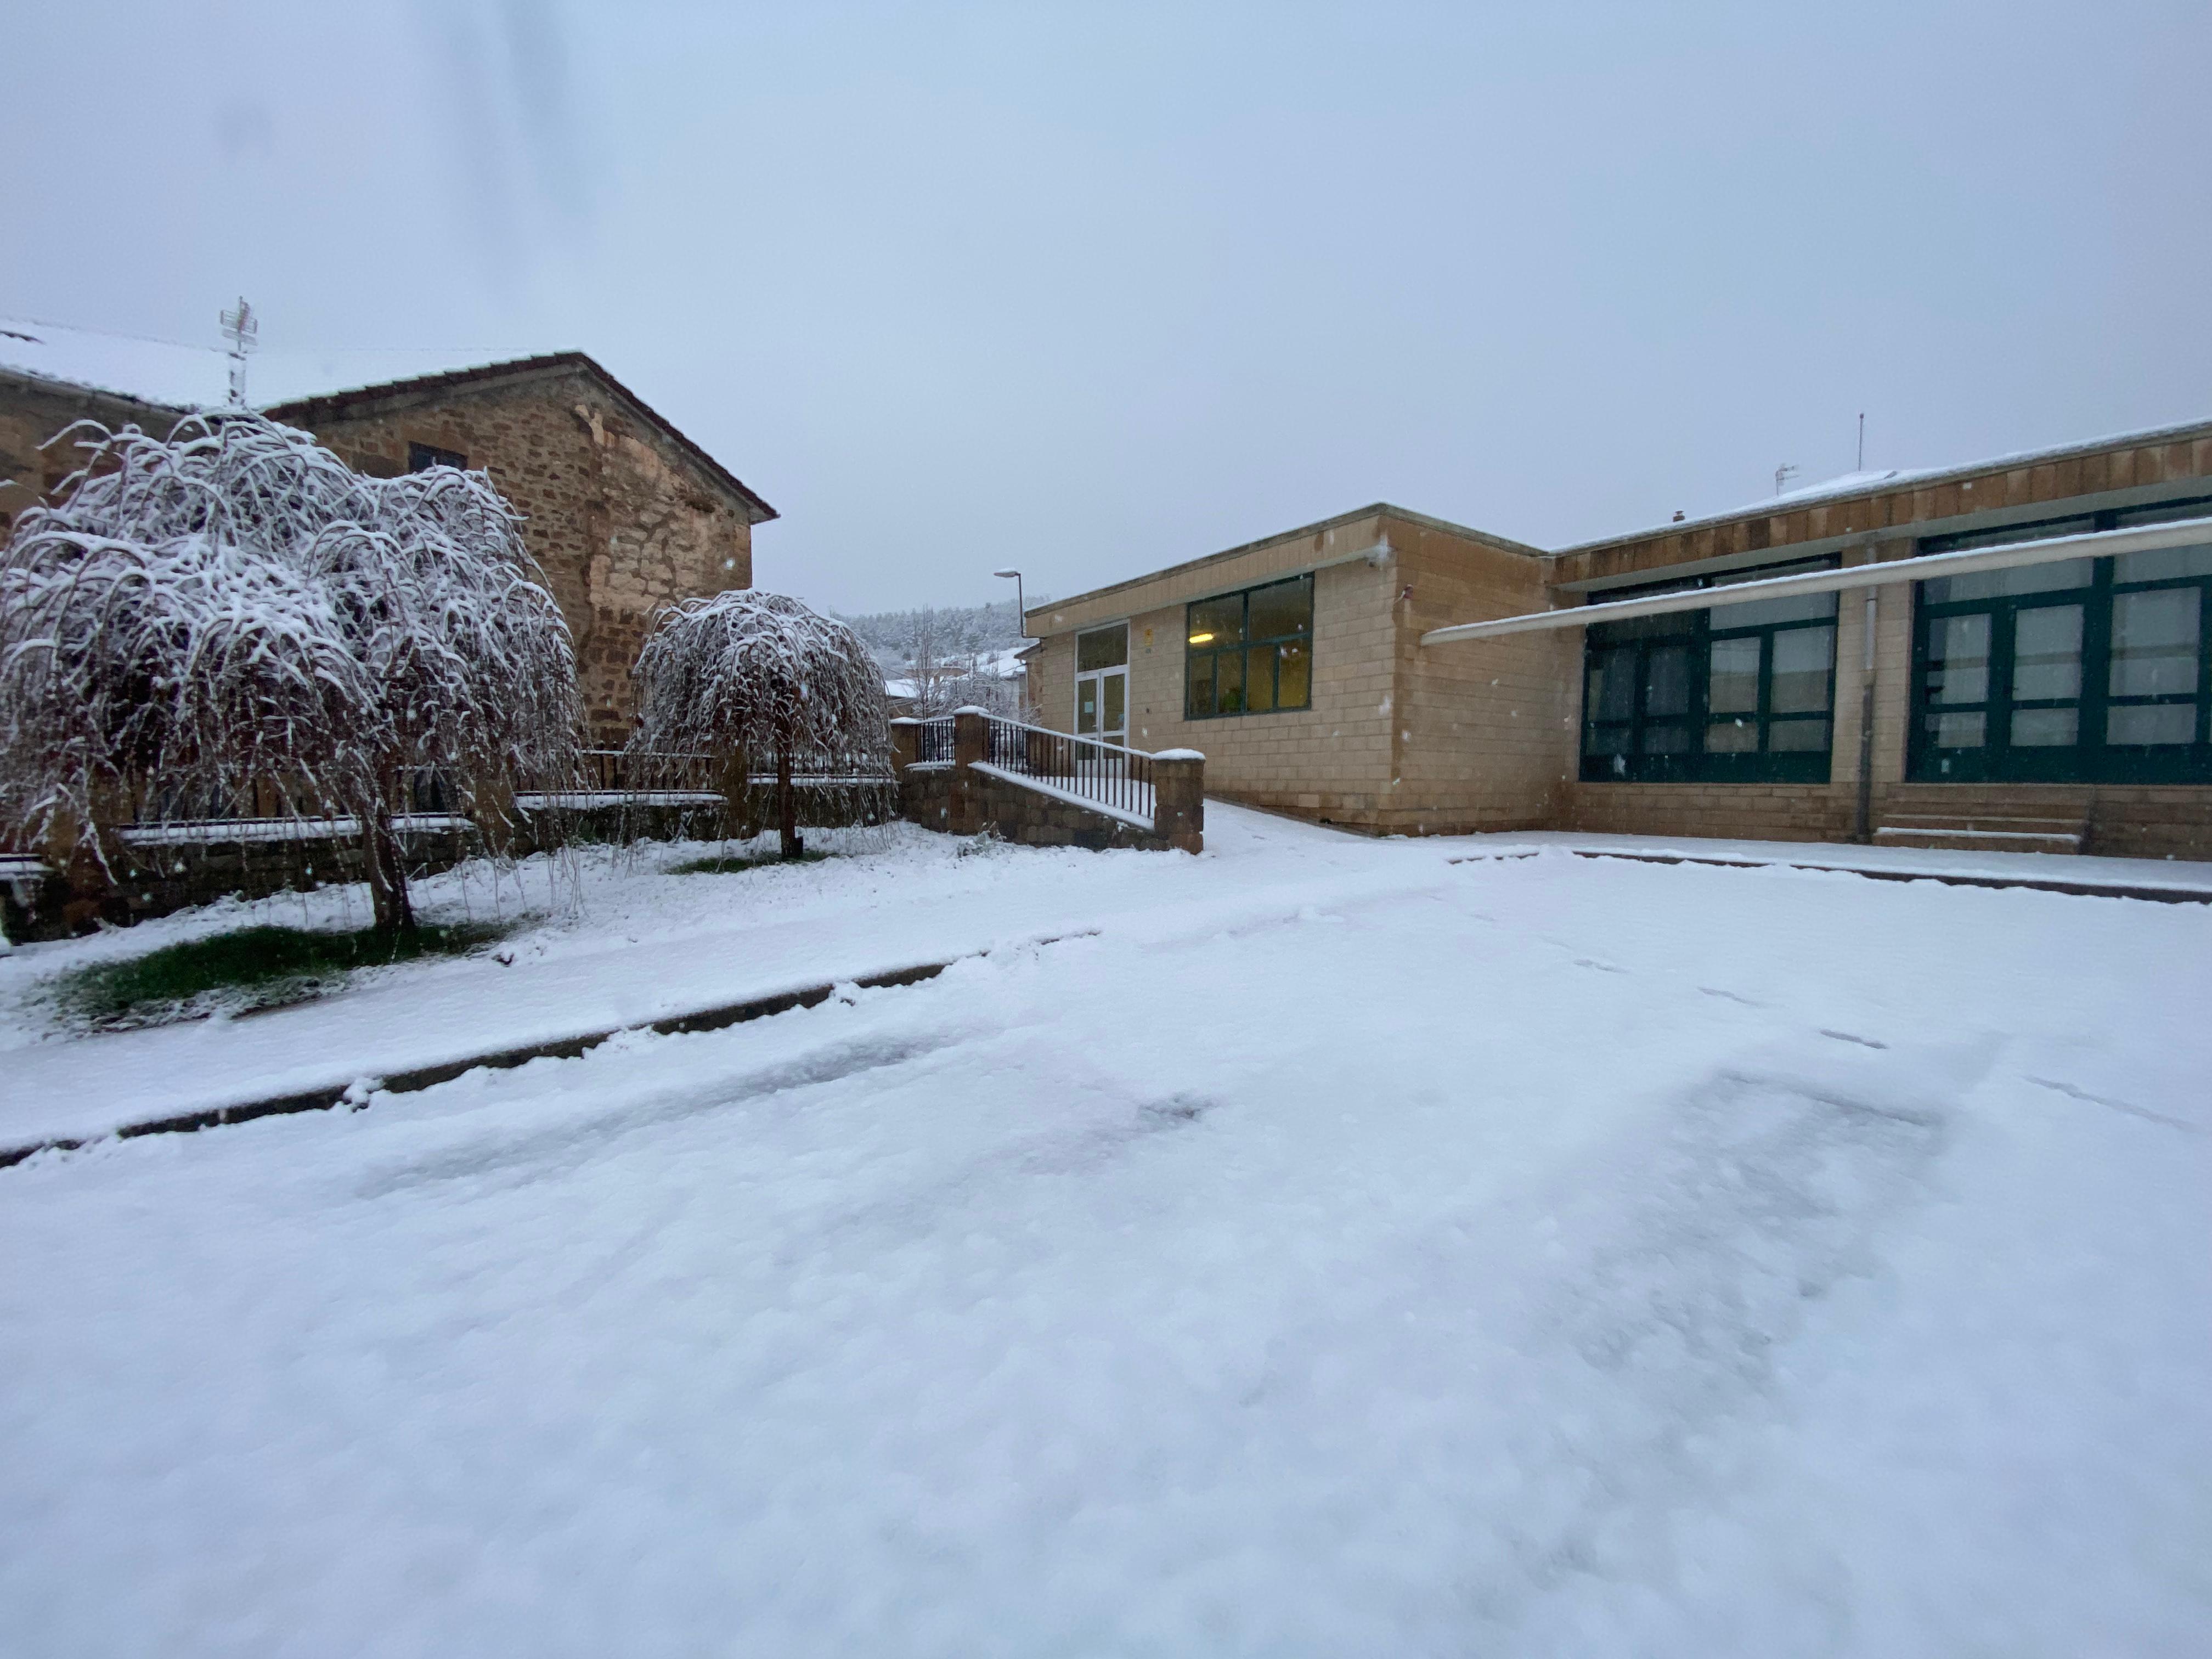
[1863, 829]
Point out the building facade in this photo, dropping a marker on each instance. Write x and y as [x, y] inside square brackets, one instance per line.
[2063, 706]
[622, 511]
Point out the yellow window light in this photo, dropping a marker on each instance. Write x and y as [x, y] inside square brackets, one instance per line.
[1200, 639]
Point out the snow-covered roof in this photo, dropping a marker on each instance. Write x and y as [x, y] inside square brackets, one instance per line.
[1871, 482]
[294, 384]
[181, 375]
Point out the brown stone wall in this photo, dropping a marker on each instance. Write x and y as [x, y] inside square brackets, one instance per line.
[619, 518]
[1486, 737]
[32, 411]
[1021, 815]
[2122, 821]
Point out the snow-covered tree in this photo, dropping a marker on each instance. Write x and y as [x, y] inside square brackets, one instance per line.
[233, 615]
[761, 674]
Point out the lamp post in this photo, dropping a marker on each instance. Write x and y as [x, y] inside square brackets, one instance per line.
[1021, 609]
[1022, 621]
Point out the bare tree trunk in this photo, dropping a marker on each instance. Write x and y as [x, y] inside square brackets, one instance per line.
[387, 874]
[786, 803]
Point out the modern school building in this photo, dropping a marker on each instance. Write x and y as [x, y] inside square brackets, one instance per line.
[2014, 655]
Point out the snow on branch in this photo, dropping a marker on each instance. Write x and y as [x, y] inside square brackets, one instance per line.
[232, 608]
[760, 672]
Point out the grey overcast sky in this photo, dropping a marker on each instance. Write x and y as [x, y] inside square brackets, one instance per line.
[1090, 289]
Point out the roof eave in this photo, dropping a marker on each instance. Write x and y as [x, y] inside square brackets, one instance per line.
[758, 510]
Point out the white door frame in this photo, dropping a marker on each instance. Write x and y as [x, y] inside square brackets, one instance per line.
[1095, 679]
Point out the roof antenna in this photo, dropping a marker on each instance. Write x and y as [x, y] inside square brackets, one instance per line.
[1783, 474]
[1862, 466]
[242, 329]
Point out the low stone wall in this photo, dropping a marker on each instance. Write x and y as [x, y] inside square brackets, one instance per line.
[954, 797]
[2122, 820]
[1019, 815]
[156, 878]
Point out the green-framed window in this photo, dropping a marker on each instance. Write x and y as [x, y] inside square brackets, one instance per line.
[2091, 670]
[1249, 653]
[1742, 694]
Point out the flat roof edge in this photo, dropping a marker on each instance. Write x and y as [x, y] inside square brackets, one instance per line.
[1374, 509]
[1906, 478]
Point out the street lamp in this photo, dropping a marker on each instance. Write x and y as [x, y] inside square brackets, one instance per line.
[1021, 610]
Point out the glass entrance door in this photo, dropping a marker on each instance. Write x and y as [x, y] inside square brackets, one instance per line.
[1102, 684]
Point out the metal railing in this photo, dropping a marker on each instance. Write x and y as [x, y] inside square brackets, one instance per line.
[628, 772]
[1089, 770]
[933, 740]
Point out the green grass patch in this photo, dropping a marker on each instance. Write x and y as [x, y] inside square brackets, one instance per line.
[731, 865]
[251, 968]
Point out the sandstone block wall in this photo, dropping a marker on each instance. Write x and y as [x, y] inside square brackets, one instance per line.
[1487, 735]
[34, 411]
[1332, 761]
[1018, 815]
[621, 521]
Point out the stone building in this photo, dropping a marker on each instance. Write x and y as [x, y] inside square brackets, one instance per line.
[623, 513]
[2058, 699]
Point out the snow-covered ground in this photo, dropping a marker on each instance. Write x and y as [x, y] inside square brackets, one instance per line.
[1320, 1246]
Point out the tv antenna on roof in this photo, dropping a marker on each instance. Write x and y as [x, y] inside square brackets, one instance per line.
[242, 329]
[1783, 473]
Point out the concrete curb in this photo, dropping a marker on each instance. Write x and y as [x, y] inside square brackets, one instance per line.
[424, 1077]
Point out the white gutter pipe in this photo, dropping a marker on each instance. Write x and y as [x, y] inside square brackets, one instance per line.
[2100, 544]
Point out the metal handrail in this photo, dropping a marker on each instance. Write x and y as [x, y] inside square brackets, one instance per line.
[1108, 775]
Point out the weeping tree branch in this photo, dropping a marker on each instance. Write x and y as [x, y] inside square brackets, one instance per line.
[761, 673]
[231, 614]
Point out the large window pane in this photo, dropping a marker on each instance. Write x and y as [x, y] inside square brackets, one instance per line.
[1667, 680]
[1786, 737]
[1115, 716]
[1229, 683]
[1959, 659]
[2045, 728]
[1282, 609]
[2163, 564]
[1250, 652]
[1732, 684]
[2046, 652]
[1802, 660]
[1612, 695]
[1260, 679]
[2152, 723]
[1086, 706]
[1101, 648]
[1958, 730]
[1199, 698]
[1670, 738]
[1761, 613]
[1217, 621]
[2003, 584]
[1736, 737]
[2155, 642]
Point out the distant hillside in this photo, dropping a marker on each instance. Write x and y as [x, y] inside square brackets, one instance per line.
[900, 638]
[940, 659]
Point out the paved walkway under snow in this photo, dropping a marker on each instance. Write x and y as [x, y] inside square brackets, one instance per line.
[649, 947]
[1325, 1249]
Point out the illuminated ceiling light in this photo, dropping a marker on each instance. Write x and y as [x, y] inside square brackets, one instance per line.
[1200, 639]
